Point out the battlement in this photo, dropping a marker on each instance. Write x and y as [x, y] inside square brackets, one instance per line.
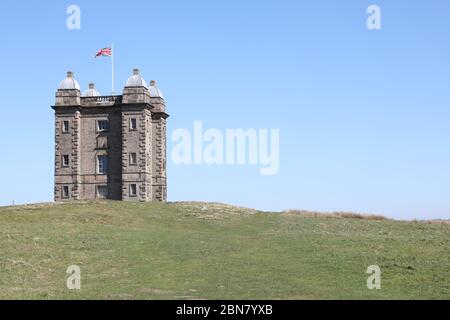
[100, 101]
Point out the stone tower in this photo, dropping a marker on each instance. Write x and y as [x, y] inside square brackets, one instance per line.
[110, 147]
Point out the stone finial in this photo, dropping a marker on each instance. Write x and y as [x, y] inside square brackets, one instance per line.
[91, 85]
[153, 83]
[136, 71]
[69, 74]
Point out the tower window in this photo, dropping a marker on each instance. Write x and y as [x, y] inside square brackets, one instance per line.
[133, 124]
[102, 165]
[65, 192]
[133, 190]
[65, 126]
[133, 158]
[65, 160]
[102, 192]
[102, 125]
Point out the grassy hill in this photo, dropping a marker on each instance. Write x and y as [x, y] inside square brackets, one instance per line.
[214, 251]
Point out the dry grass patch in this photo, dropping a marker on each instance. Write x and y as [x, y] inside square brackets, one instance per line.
[212, 210]
[338, 215]
[440, 222]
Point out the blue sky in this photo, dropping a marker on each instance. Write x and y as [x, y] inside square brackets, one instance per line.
[363, 115]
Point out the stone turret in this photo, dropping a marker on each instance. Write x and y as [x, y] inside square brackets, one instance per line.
[156, 97]
[67, 138]
[68, 93]
[136, 90]
[91, 92]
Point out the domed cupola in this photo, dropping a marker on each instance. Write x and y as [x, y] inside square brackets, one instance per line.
[154, 91]
[91, 92]
[135, 80]
[69, 83]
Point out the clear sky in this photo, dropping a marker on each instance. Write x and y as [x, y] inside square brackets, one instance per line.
[364, 116]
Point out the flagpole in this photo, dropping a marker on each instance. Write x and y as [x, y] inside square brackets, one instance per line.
[112, 68]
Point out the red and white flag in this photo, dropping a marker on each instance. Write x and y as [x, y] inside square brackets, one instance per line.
[108, 52]
[105, 52]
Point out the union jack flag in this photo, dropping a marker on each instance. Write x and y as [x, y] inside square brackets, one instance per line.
[105, 52]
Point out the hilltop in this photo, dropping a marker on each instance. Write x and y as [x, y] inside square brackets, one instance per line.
[190, 250]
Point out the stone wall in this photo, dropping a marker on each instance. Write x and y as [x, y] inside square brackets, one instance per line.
[136, 141]
[159, 158]
[94, 144]
[84, 143]
[67, 144]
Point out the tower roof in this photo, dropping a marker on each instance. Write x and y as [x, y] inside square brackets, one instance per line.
[69, 83]
[154, 91]
[136, 80]
[91, 92]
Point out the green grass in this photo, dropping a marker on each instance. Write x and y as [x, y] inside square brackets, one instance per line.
[213, 251]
